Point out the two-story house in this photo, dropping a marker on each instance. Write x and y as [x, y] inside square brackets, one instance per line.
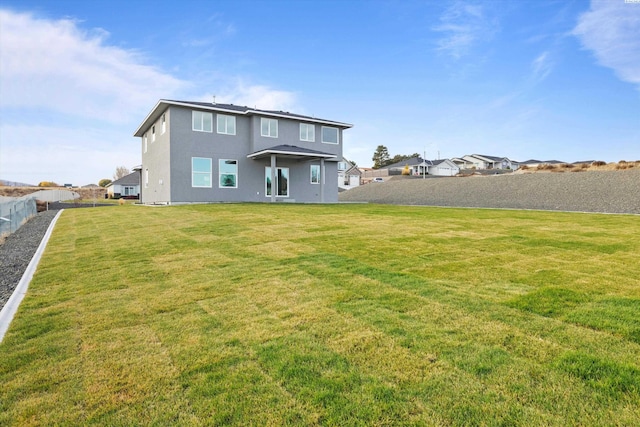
[195, 152]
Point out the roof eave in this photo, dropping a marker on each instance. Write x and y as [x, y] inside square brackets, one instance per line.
[155, 113]
[267, 152]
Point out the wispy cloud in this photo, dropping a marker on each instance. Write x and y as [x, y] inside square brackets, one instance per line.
[70, 100]
[217, 29]
[56, 66]
[463, 25]
[611, 30]
[264, 97]
[541, 66]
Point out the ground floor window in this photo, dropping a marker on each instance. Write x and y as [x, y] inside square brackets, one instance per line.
[282, 182]
[315, 174]
[129, 191]
[228, 170]
[200, 172]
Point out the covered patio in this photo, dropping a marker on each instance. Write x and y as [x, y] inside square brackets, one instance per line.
[290, 152]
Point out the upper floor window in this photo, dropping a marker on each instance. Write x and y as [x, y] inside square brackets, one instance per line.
[226, 124]
[342, 166]
[307, 132]
[228, 173]
[164, 124]
[144, 138]
[202, 122]
[269, 127]
[329, 135]
[153, 133]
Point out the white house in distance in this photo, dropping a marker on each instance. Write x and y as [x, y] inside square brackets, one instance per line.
[128, 187]
[481, 161]
[419, 166]
[348, 175]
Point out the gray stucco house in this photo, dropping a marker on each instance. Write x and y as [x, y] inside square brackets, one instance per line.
[195, 152]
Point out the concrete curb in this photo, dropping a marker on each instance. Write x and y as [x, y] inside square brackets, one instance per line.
[11, 307]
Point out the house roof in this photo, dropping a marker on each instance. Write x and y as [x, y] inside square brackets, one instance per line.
[407, 162]
[291, 151]
[490, 158]
[132, 179]
[439, 161]
[163, 104]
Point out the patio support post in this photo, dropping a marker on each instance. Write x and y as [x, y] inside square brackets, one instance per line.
[274, 185]
[321, 180]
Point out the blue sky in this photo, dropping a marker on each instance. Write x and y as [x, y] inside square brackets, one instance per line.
[522, 79]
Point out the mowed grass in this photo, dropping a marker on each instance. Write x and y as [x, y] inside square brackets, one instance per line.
[259, 314]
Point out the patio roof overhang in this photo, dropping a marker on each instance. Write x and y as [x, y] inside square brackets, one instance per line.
[291, 152]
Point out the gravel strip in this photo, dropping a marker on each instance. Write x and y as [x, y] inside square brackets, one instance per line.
[593, 191]
[18, 249]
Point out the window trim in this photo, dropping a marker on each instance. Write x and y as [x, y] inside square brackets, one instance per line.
[220, 173]
[269, 121]
[164, 124]
[210, 173]
[193, 128]
[226, 124]
[312, 167]
[145, 144]
[307, 127]
[153, 134]
[329, 142]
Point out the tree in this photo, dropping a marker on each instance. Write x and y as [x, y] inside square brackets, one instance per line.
[380, 157]
[47, 184]
[104, 182]
[121, 171]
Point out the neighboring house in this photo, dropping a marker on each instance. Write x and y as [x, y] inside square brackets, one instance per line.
[481, 161]
[419, 166]
[206, 152]
[443, 167]
[415, 165]
[127, 186]
[348, 175]
[462, 163]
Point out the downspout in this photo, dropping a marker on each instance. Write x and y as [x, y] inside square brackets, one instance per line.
[140, 186]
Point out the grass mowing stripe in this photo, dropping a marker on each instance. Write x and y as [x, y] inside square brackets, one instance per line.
[420, 291]
[304, 314]
[381, 303]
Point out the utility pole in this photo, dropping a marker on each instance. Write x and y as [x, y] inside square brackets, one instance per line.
[424, 164]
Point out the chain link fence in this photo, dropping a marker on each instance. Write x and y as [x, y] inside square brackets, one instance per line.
[15, 211]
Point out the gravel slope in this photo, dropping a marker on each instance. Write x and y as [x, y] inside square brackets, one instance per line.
[594, 191]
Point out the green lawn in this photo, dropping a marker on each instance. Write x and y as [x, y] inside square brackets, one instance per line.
[259, 314]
